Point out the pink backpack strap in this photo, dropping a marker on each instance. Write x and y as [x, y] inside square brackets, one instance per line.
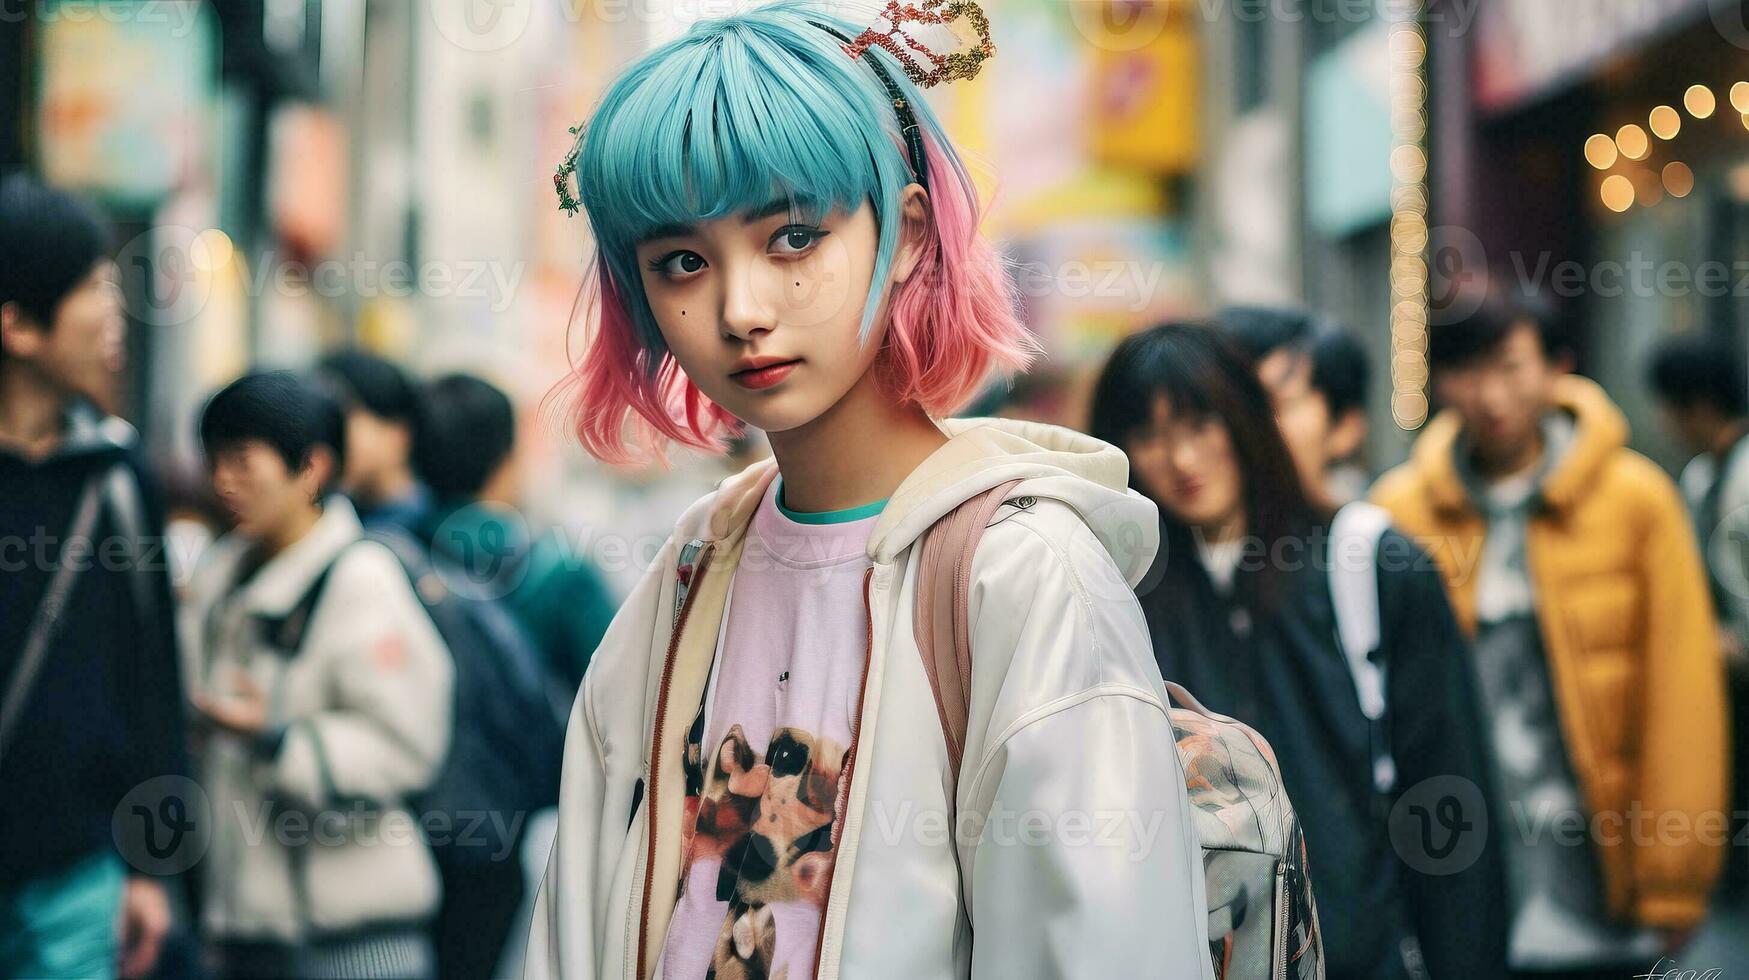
[941, 620]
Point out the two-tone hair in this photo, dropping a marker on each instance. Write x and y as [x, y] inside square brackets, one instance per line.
[739, 112]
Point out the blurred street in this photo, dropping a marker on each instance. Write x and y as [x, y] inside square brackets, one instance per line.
[362, 193]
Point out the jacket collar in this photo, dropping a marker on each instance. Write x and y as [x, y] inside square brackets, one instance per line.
[285, 579]
[1089, 475]
[85, 431]
[721, 517]
[1600, 431]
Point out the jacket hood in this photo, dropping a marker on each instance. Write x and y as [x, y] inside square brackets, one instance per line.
[1051, 461]
[1600, 430]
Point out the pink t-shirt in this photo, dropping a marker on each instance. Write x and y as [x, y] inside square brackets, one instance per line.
[778, 718]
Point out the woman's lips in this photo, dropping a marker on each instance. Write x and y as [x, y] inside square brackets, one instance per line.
[766, 376]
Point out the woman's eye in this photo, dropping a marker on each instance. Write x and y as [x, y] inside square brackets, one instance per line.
[678, 263]
[796, 240]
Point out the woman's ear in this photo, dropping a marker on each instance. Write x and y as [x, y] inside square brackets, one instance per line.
[915, 226]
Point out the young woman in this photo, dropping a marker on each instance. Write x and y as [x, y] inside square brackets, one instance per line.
[1243, 614]
[756, 781]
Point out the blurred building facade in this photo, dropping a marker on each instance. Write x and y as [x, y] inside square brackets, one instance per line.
[1591, 152]
[289, 175]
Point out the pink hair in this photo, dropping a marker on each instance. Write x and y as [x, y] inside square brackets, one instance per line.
[953, 322]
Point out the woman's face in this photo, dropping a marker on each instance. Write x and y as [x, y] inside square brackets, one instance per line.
[1186, 462]
[762, 312]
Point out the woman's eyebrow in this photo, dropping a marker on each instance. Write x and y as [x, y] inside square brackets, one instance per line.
[779, 206]
[750, 216]
[667, 231]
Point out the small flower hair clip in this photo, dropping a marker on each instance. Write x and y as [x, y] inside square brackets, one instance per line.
[565, 176]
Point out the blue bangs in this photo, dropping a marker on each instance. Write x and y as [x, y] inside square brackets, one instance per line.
[760, 107]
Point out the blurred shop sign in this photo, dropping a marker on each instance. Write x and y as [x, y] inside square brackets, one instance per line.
[1529, 48]
[307, 179]
[1348, 134]
[1145, 92]
[125, 95]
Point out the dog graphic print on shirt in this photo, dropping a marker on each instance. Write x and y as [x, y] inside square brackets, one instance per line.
[759, 830]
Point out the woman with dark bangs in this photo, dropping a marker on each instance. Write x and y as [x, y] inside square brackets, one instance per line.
[1242, 606]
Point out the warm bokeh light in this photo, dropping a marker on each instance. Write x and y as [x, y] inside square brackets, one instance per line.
[1700, 101]
[1666, 122]
[1678, 179]
[1618, 193]
[1409, 232]
[1600, 152]
[1633, 142]
[1740, 97]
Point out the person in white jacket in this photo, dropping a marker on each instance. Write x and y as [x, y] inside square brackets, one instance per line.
[756, 783]
[324, 693]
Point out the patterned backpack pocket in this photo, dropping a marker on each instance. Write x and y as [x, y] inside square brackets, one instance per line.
[1263, 923]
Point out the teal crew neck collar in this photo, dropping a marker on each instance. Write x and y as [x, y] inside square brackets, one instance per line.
[828, 516]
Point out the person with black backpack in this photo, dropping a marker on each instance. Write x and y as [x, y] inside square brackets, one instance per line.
[521, 622]
[324, 697]
[90, 695]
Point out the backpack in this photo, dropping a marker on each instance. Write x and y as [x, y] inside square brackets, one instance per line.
[1262, 922]
[508, 729]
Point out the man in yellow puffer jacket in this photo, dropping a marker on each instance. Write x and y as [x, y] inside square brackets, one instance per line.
[1571, 561]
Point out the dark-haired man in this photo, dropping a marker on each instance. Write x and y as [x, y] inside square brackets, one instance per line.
[382, 425]
[90, 699]
[1385, 914]
[326, 692]
[1571, 561]
[1317, 375]
[467, 456]
[1700, 381]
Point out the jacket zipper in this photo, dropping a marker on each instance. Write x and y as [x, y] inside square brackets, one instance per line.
[652, 794]
[1283, 941]
[849, 775]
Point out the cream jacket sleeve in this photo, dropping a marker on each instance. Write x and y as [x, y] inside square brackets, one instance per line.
[1088, 865]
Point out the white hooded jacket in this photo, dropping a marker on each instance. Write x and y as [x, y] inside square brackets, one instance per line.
[1075, 855]
[315, 837]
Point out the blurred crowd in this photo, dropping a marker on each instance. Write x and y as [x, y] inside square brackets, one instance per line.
[367, 661]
